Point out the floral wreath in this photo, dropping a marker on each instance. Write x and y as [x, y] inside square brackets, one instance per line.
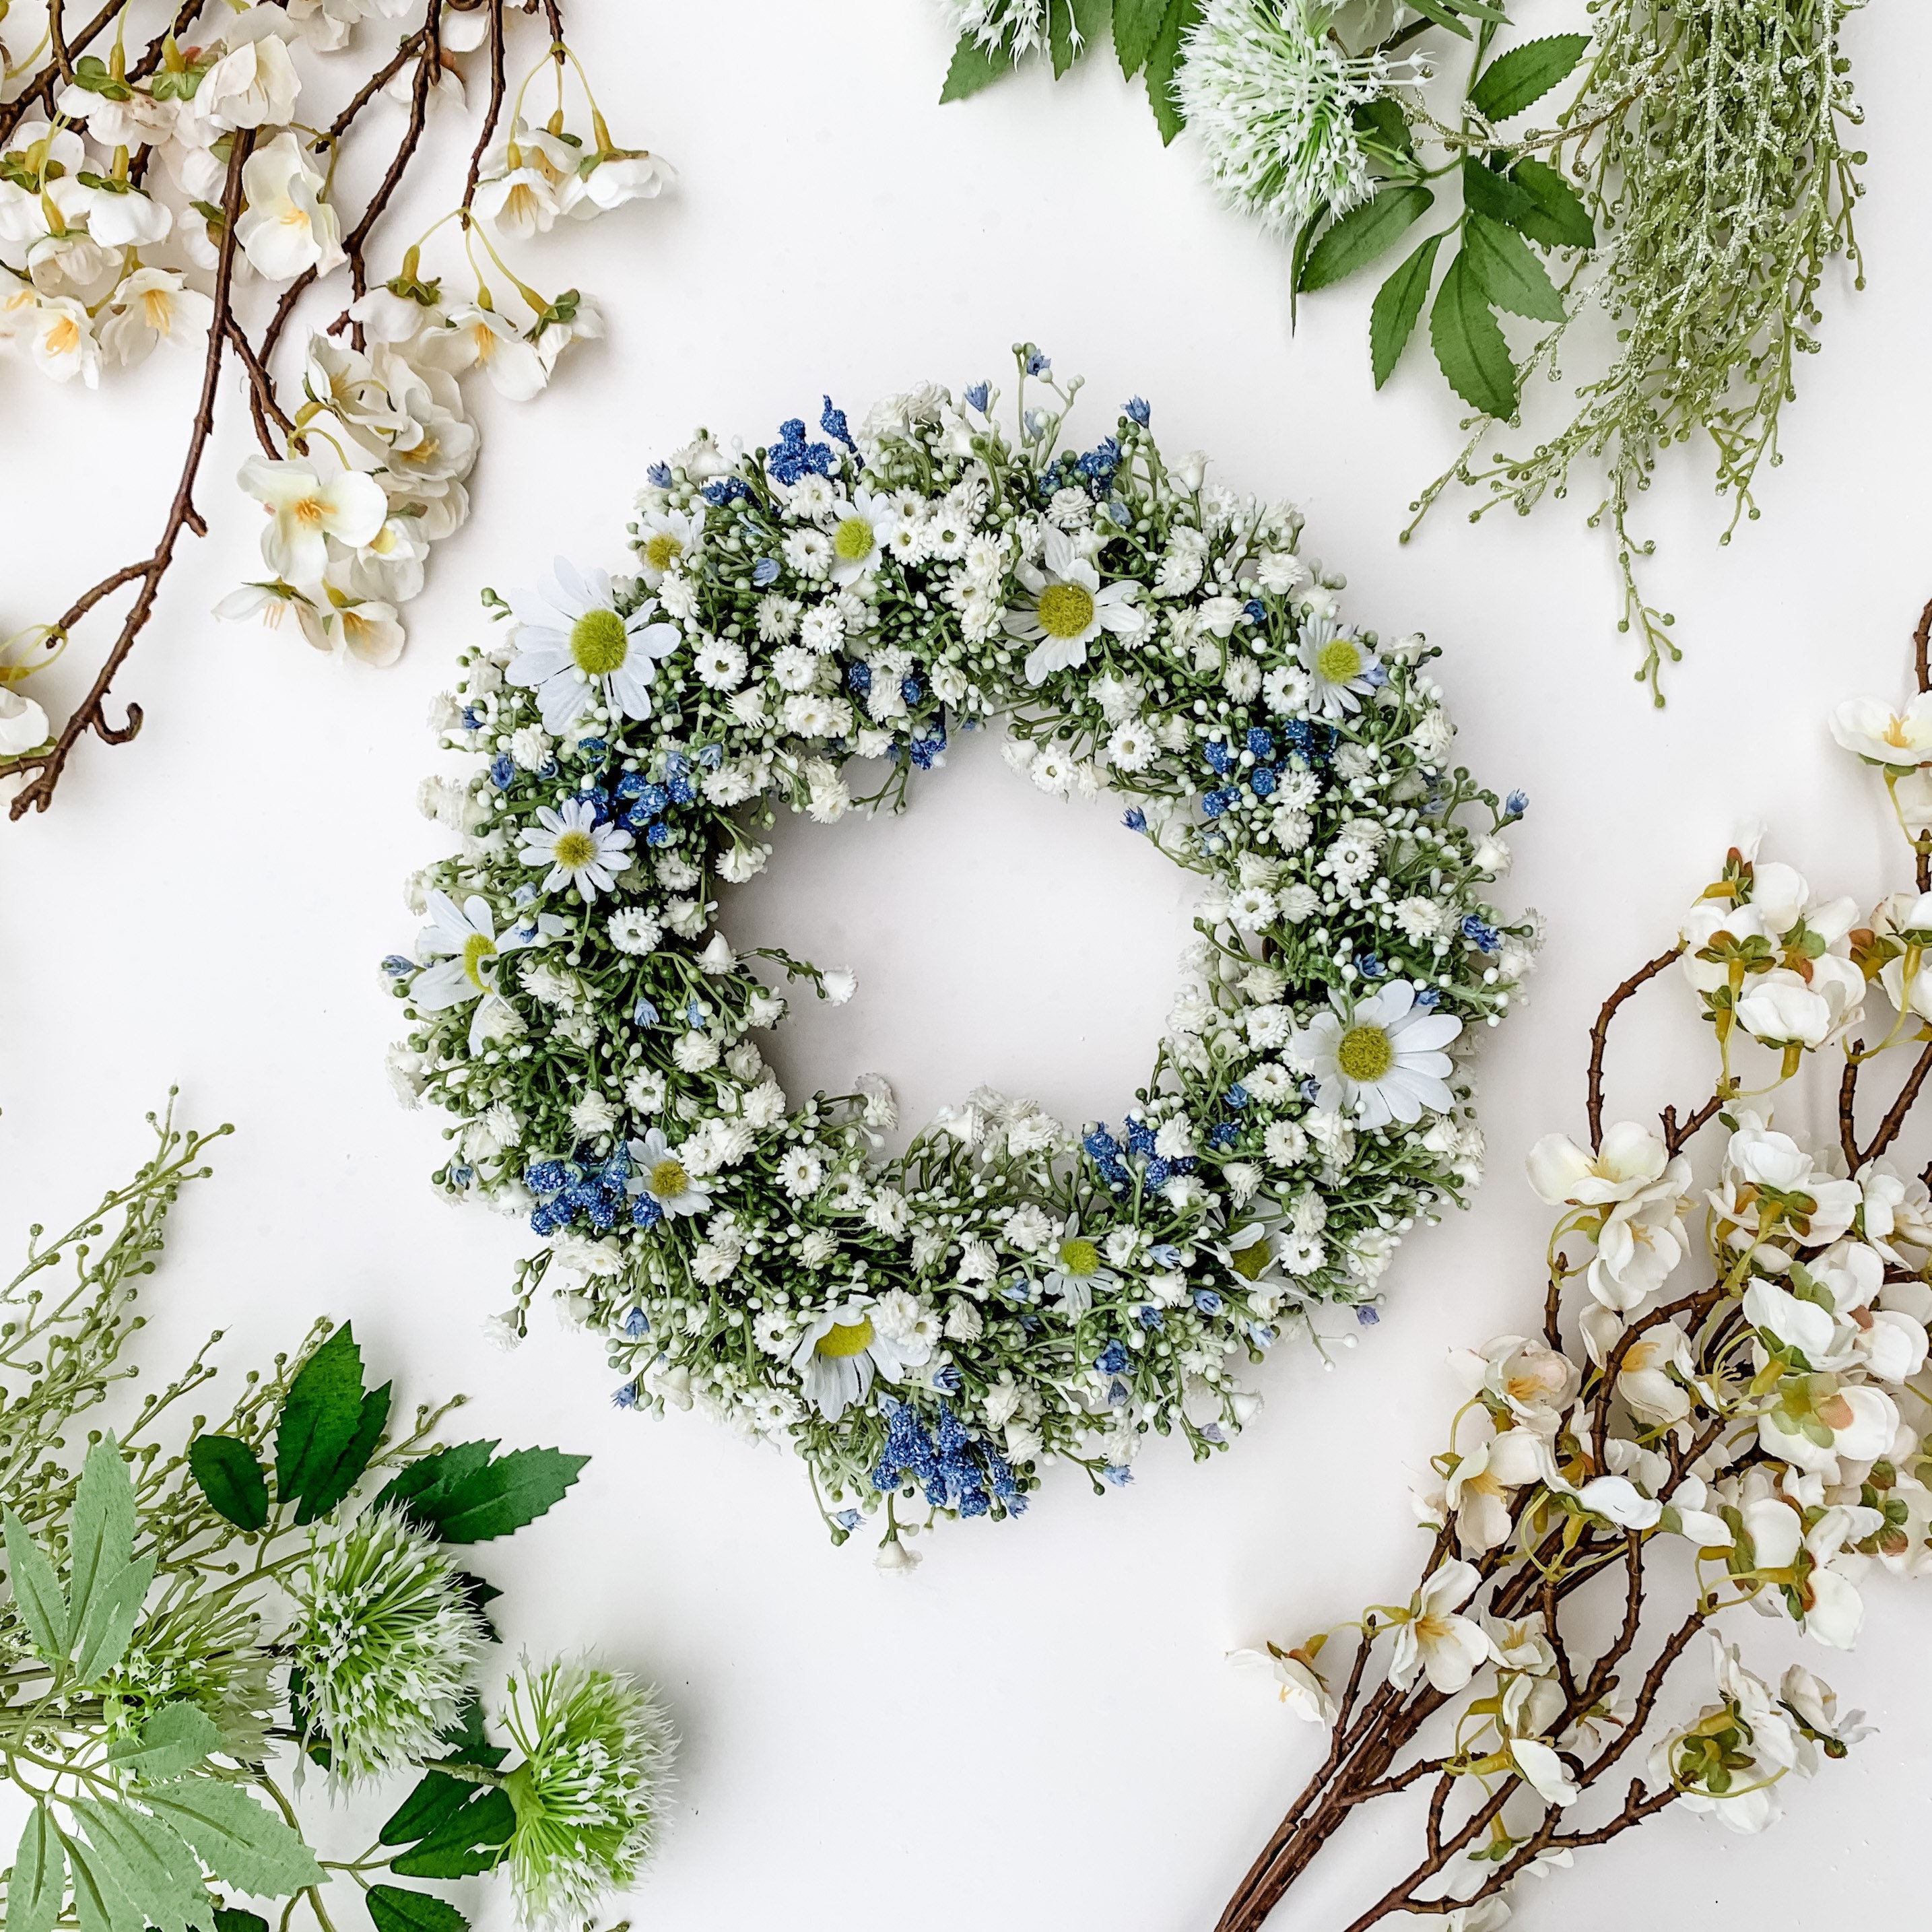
[934, 1330]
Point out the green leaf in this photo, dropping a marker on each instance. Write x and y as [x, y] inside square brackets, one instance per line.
[1385, 125]
[100, 1539]
[320, 1417]
[1397, 303]
[174, 1739]
[144, 1859]
[1558, 220]
[500, 1497]
[481, 1596]
[436, 1798]
[473, 1838]
[1137, 24]
[973, 66]
[232, 1478]
[99, 1904]
[37, 1884]
[238, 1839]
[329, 1489]
[1492, 194]
[1163, 62]
[1431, 10]
[37, 1591]
[1511, 277]
[1072, 27]
[1525, 74]
[432, 1475]
[1364, 233]
[228, 1918]
[395, 1910]
[1469, 345]
[109, 1627]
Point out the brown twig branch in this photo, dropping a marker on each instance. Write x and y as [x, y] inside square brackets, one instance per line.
[1600, 1034]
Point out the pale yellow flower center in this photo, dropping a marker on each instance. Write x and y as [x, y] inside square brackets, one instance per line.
[668, 1178]
[1066, 610]
[852, 541]
[663, 551]
[1339, 660]
[64, 338]
[157, 308]
[476, 950]
[1079, 1257]
[310, 510]
[847, 1338]
[574, 849]
[598, 643]
[1366, 1053]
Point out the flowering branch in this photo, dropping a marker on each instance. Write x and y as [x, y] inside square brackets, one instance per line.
[365, 448]
[1775, 1418]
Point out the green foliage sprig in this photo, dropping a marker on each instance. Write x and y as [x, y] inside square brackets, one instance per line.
[145, 1710]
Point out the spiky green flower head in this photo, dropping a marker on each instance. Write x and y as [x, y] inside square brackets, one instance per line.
[1272, 95]
[196, 1647]
[386, 1640]
[597, 1750]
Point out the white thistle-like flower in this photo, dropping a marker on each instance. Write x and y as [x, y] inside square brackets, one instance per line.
[1272, 97]
[386, 1639]
[597, 1750]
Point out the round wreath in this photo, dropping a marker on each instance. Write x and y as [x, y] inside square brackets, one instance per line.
[936, 1329]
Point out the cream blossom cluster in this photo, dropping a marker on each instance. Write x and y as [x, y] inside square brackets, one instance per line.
[1745, 1390]
[112, 221]
[808, 626]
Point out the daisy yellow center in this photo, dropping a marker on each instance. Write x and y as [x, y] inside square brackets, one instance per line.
[476, 950]
[668, 1177]
[847, 1338]
[574, 850]
[598, 643]
[1079, 1256]
[663, 551]
[1249, 1261]
[852, 542]
[1066, 610]
[1366, 1053]
[1339, 660]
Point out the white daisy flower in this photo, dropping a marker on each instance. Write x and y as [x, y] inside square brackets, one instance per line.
[1252, 908]
[1381, 1060]
[840, 1350]
[663, 1178]
[575, 644]
[634, 931]
[578, 850]
[720, 664]
[860, 531]
[1068, 608]
[469, 945]
[666, 540]
[809, 552]
[1340, 666]
[1075, 1269]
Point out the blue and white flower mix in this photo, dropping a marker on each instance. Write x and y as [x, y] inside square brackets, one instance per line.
[930, 1332]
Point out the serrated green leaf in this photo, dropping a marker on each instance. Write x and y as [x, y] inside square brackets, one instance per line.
[328, 1490]
[1397, 303]
[228, 1918]
[1163, 62]
[38, 1882]
[99, 1904]
[238, 1839]
[1432, 10]
[1385, 125]
[1558, 219]
[320, 1416]
[973, 66]
[472, 1839]
[394, 1909]
[1488, 193]
[105, 1636]
[228, 1474]
[1525, 74]
[174, 1740]
[1469, 345]
[100, 1537]
[436, 1798]
[500, 1497]
[1511, 277]
[37, 1591]
[435, 1474]
[1072, 27]
[145, 1860]
[1364, 233]
[1137, 24]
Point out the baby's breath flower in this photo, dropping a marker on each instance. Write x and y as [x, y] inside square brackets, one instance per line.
[597, 1749]
[386, 1638]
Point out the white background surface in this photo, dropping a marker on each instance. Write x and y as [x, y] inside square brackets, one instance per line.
[1038, 1730]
